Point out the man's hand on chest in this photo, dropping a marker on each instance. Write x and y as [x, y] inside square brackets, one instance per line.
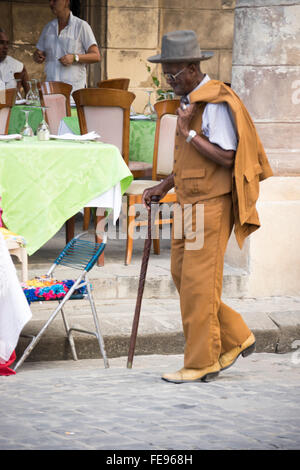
[185, 117]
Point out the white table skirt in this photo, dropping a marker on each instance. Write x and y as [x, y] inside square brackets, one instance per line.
[111, 199]
[14, 308]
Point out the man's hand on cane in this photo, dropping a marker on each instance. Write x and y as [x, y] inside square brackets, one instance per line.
[158, 191]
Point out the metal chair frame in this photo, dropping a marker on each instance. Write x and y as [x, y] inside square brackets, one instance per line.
[79, 255]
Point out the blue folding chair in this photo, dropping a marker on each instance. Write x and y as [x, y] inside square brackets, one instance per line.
[80, 255]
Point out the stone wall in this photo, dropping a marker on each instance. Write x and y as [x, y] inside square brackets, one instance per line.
[23, 22]
[266, 75]
[135, 28]
[129, 31]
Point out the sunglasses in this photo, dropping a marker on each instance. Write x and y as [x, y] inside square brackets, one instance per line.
[171, 78]
[4, 43]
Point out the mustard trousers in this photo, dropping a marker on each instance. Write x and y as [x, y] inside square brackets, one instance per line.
[199, 240]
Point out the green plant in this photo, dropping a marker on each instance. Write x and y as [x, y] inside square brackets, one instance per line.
[160, 92]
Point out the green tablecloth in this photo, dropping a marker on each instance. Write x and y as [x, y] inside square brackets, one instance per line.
[43, 184]
[17, 119]
[141, 140]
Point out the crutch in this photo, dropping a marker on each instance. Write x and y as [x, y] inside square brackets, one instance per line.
[145, 259]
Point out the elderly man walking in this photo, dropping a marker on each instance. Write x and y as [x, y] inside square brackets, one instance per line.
[218, 163]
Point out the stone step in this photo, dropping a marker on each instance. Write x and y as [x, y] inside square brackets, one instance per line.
[117, 281]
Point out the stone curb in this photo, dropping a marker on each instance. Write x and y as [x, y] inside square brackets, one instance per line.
[275, 323]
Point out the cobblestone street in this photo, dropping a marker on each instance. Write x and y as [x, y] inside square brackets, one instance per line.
[80, 405]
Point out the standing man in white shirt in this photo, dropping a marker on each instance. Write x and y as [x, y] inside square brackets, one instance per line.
[10, 68]
[66, 45]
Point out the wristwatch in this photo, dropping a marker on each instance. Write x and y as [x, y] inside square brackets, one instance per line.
[191, 135]
[76, 58]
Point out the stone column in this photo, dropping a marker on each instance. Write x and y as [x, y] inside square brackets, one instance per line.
[266, 75]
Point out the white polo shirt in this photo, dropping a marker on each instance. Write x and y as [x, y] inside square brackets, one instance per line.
[218, 123]
[75, 38]
[8, 67]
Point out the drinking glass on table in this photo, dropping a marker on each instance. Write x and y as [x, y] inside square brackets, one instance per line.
[26, 131]
[170, 95]
[43, 131]
[30, 96]
[149, 108]
[35, 92]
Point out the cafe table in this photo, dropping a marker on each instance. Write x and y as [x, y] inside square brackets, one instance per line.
[141, 138]
[45, 183]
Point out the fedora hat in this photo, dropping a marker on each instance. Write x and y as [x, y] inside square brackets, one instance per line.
[180, 46]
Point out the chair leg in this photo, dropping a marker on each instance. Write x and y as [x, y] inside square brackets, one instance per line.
[70, 337]
[86, 218]
[37, 338]
[130, 231]
[156, 243]
[21, 254]
[24, 261]
[100, 226]
[156, 246]
[96, 321]
[70, 229]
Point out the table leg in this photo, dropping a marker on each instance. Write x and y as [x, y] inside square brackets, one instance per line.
[86, 218]
[100, 227]
[70, 229]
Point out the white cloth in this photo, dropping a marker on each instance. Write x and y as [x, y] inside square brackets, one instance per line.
[111, 199]
[75, 38]
[14, 308]
[90, 136]
[8, 67]
[218, 124]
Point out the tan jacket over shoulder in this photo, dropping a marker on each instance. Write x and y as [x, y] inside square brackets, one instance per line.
[251, 163]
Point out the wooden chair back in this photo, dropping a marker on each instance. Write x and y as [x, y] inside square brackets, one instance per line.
[56, 96]
[107, 112]
[164, 138]
[118, 83]
[7, 101]
[163, 157]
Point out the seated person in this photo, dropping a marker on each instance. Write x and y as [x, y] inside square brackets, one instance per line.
[10, 68]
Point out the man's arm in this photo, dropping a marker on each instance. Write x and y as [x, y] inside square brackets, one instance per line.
[92, 56]
[212, 151]
[23, 76]
[39, 56]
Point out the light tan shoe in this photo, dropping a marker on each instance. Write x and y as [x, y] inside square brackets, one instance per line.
[228, 359]
[193, 375]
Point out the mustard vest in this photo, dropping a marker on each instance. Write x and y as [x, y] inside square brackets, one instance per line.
[197, 177]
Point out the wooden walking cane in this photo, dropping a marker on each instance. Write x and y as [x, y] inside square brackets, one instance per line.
[146, 254]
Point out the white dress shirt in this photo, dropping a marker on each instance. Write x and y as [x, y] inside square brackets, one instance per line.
[8, 67]
[75, 38]
[218, 123]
